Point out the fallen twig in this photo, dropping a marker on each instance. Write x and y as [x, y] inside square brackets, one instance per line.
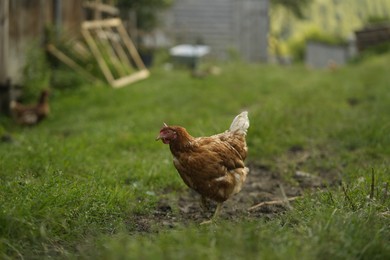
[273, 202]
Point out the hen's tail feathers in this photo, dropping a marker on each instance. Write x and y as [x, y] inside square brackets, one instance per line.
[240, 123]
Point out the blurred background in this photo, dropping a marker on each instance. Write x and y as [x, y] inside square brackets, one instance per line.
[319, 33]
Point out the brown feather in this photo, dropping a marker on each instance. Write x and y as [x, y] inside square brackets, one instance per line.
[213, 166]
[31, 114]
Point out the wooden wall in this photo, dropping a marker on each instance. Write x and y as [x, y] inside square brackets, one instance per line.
[224, 25]
[27, 20]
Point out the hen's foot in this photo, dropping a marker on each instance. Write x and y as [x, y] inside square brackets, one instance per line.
[214, 218]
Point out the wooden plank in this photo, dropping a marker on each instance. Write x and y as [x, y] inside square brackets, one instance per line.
[81, 50]
[113, 22]
[120, 51]
[111, 10]
[95, 50]
[107, 50]
[142, 74]
[68, 61]
[130, 46]
[4, 33]
[118, 57]
[371, 36]
[97, 14]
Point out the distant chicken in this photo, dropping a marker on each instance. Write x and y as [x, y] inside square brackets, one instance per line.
[31, 114]
[212, 166]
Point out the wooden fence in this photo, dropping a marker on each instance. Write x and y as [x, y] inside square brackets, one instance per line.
[372, 36]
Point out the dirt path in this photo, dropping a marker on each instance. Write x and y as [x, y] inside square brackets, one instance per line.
[262, 185]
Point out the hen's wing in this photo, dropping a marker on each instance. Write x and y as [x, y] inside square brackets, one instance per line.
[213, 167]
[236, 141]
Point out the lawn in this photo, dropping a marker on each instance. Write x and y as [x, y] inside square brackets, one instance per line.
[90, 182]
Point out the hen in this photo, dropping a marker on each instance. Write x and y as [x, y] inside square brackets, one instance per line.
[212, 166]
[31, 114]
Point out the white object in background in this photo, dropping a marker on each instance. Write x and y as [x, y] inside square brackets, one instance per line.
[188, 50]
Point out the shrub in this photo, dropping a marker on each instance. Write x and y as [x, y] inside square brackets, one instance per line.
[297, 45]
[36, 72]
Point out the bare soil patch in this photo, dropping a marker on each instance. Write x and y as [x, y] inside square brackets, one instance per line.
[262, 185]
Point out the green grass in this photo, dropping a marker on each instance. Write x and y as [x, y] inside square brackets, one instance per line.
[71, 187]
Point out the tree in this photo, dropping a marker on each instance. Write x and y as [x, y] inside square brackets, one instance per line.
[297, 7]
[146, 11]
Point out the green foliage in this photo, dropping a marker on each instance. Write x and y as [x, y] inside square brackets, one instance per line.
[64, 78]
[146, 11]
[296, 7]
[75, 185]
[334, 17]
[375, 19]
[380, 49]
[297, 45]
[36, 72]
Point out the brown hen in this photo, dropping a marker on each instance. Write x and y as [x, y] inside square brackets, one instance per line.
[31, 114]
[212, 166]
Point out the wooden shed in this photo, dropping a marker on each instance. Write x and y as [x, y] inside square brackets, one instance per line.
[372, 36]
[224, 25]
[22, 25]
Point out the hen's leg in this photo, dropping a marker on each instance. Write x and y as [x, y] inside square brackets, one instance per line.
[204, 204]
[215, 216]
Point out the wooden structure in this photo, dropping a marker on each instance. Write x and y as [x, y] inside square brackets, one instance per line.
[110, 43]
[23, 23]
[372, 36]
[227, 26]
[4, 29]
[22, 29]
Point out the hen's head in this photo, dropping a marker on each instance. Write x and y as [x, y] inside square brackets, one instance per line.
[167, 134]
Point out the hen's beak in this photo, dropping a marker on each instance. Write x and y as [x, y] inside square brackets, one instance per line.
[159, 137]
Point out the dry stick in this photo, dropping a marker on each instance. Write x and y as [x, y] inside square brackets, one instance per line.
[285, 200]
[385, 214]
[71, 63]
[372, 183]
[273, 202]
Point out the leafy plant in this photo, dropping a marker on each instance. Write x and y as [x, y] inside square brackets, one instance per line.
[297, 45]
[375, 19]
[296, 7]
[36, 72]
[146, 11]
